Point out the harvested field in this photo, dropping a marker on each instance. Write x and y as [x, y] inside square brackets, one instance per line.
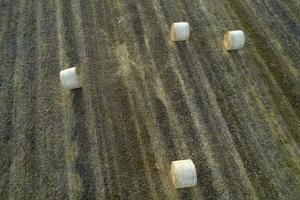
[147, 101]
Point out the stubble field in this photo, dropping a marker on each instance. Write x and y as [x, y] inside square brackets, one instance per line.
[147, 101]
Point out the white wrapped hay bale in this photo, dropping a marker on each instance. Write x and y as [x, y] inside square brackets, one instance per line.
[183, 173]
[234, 40]
[70, 79]
[180, 31]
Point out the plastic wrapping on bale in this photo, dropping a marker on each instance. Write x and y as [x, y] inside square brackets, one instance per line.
[70, 79]
[234, 40]
[183, 173]
[180, 31]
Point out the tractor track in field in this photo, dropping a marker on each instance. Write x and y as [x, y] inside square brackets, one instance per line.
[147, 101]
[24, 156]
[8, 44]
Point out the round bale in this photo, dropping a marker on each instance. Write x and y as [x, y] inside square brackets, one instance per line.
[183, 173]
[234, 40]
[180, 31]
[70, 79]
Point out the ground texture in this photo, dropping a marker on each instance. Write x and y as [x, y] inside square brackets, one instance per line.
[147, 101]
